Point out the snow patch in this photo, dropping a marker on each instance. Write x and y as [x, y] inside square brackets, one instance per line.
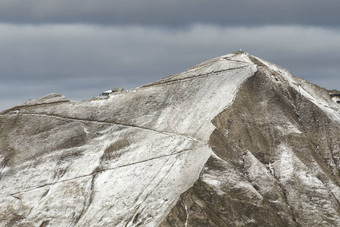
[187, 215]
[288, 128]
[251, 190]
[213, 182]
[284, 167]
[4, 170]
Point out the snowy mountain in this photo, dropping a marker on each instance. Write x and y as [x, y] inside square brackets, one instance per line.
[234, 141]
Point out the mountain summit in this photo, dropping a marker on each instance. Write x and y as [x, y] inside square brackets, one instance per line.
[234, 141]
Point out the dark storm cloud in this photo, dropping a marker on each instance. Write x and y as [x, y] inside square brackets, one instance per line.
[171, 13]
[80, 47]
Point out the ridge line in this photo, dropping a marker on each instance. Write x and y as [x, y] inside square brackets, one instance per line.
[113, 123]
[164, 81]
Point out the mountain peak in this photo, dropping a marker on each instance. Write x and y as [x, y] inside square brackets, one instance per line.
[235, 140]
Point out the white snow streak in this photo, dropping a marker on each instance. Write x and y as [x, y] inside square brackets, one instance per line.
[187, 215]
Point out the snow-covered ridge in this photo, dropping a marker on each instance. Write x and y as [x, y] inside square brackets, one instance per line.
[276, 161]
[50, 98]
[125, 160]
[139, 149]
[213, 66]
[317, 95]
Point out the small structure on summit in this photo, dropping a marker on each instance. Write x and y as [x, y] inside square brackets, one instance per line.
[335, 96]
[113, 90]
[106, 93]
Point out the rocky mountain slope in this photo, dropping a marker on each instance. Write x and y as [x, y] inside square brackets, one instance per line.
[234, 141]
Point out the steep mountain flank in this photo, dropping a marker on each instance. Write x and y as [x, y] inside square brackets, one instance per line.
[234, 141]
[276, 160]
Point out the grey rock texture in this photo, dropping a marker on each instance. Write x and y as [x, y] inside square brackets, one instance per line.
[234, 141]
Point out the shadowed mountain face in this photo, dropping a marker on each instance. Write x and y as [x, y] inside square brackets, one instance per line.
[276, 162]
[234, 141]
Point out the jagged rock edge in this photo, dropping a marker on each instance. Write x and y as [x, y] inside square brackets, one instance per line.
[258, 63]
[213, 154]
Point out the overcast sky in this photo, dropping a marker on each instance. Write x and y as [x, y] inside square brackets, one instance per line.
[81, 47]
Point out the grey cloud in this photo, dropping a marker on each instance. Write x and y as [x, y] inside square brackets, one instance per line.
[80, 61]
[171, 13]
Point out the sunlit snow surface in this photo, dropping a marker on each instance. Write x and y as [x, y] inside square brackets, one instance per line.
[137, 151]
[144, 148]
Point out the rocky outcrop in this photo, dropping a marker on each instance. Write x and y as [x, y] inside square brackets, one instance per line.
[276, 160]
[234, 141]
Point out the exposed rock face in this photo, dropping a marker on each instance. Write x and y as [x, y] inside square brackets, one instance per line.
[234, 141]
